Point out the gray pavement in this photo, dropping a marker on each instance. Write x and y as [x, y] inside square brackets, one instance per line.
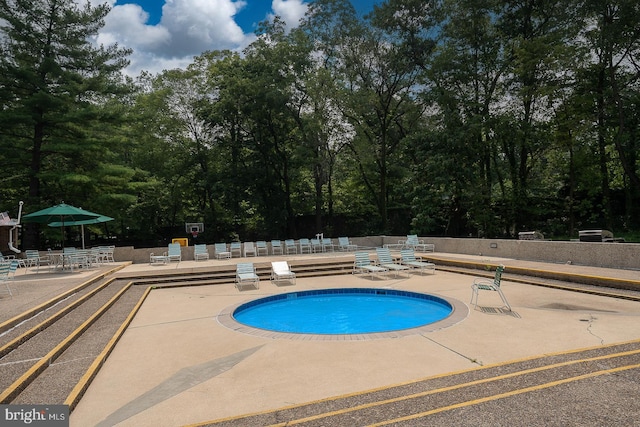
[177, 364]
[32, 288]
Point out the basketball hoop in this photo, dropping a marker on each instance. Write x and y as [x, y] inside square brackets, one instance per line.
[194, 228]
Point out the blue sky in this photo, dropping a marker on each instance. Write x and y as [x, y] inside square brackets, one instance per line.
[167, 34]
[253, 12]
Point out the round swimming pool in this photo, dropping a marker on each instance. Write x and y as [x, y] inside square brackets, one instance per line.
[343, 311]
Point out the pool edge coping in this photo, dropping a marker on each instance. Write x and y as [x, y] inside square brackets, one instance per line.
[459, 312]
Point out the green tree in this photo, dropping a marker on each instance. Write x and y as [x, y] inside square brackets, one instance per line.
[458, 158]
[171, 147]
[54, 85]
[538, 35]
[277, 64]
[328, 24]
[612, 36]
[223, 93]
[378, 97]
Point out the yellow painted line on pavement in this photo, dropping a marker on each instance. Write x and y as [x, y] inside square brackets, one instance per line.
[505, 395]
[13, 344]
[401, 384]
[82, 385]
[18, 385]
[591, 279]
[33, 311]
[451, 388]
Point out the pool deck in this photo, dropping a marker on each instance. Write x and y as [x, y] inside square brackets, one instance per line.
[177, 364]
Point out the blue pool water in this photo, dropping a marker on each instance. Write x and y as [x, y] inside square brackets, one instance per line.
[343, 311]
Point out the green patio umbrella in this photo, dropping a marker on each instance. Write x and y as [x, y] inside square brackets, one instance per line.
[82, 223]
[62, 213]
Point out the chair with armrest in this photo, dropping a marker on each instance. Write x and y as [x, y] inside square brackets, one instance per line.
[174, 252]
[249, 249]
[408, 258]
[280, 271]
[276, 247]
[4, 276]
[363, 264]
[416, 244]
[236, 249]
[220, 251]
[246, 275]
[305, 245]
[386, 260]
[290, 246]
[344, 244]
[483, 284]
[200, 252]
[262, 248]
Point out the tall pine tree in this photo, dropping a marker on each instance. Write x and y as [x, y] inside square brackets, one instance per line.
[55, 88]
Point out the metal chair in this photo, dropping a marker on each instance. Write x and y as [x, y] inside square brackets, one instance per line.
[276, 247]
[200, 252]
[261, 248]
[481, 284]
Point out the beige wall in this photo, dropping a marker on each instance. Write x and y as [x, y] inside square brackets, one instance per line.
[611, 255]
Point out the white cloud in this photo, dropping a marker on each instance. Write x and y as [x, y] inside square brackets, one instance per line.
[126, 25]
[199, 25]
[187, 28]
[291, 11]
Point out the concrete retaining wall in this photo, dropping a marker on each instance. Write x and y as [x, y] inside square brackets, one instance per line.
[608, 255]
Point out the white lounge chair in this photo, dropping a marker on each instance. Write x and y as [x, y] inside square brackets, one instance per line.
[246, 275]
[409, 259]
[362, 264]
[385, 260]
[280, 271]
[482, 284]
[200, 252]
[220, 251]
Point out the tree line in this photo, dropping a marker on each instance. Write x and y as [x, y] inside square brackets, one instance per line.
[456, 118]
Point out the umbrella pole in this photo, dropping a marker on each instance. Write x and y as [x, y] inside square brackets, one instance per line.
[62, 218]
[82, 232]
